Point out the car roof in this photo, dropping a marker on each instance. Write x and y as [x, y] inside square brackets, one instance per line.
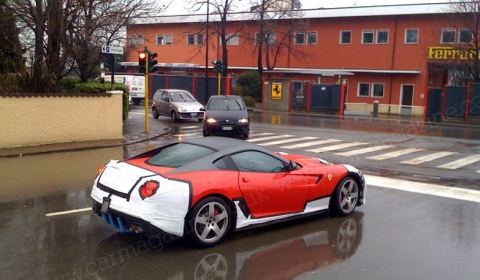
[172, 90]
[222, 143]
[225, 96]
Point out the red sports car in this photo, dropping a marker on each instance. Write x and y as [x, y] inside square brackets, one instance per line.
[206, 187]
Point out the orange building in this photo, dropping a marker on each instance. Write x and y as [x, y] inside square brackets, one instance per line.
[390, 54]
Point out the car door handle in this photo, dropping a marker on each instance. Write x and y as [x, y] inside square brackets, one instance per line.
[244, 180]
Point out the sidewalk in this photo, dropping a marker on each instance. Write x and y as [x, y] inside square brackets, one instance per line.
[133, 134]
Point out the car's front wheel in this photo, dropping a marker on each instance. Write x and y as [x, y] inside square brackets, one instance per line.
[174, 117]
[345, 197]
[155, 113]
[208, 222]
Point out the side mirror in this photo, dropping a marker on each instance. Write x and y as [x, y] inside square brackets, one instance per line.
[249, 109]
[292, 166]
[203, 109]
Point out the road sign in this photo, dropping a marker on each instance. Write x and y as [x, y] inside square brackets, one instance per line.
[112, 50]
[276, 91]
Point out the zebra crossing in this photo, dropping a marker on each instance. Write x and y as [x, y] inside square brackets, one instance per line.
[447, 160]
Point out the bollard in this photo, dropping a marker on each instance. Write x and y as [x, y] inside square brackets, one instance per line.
[375, 108]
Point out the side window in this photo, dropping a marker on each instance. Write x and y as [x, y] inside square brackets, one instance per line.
[253, 161]
[165, 96]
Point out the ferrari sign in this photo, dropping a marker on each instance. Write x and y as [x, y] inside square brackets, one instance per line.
[276, 91]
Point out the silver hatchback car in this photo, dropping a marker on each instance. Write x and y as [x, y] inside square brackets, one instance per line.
[179, 104]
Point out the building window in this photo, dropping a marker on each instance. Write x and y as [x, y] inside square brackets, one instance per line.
[367, 37]
[299, 38]
[234, 39]
[160, 40]
[377, 90]
[190, 39]
[345, 37]
[363, 89]
[269, 38]
[195, 39]
[411, 36]
[168, 39]
[136, 40]
[448, 36]
[311, 38]
[199, 39]
[465, 36]
[382, 36]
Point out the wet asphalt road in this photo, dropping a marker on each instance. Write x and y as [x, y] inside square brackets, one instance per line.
[396, 235]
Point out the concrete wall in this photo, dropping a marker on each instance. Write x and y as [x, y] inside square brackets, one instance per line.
[270, 101]
[383, 108]
[38, 120]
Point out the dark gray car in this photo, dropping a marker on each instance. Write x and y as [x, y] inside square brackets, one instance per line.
[178, 104]
[226, 114]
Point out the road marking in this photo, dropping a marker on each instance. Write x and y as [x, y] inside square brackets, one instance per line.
[187, 134]
[261, 133]
[427, 158]
[308, 144]
[269, 138]
[423, 188]
[336, 147]
[394, 154]
[68, 212]
[364, 150]
[461, 162]
[287, 141]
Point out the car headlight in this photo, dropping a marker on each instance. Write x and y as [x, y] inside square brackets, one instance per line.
[181, 109]
[244, 120]
[211, 120]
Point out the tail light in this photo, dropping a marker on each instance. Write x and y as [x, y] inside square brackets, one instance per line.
[100, 169]
[149, 188]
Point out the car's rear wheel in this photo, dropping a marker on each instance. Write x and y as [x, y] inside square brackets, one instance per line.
[209, 222]
[155, 113]
[345, 197]
[174, 116]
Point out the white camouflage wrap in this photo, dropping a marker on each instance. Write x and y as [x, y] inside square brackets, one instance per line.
[166, 209]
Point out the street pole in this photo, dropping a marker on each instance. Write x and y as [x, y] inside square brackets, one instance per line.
[206, 51]
[146, 89]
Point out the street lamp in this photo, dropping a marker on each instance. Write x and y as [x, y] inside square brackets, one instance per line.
[206, 51]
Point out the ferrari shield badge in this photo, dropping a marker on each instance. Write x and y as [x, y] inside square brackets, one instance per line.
[330, 177]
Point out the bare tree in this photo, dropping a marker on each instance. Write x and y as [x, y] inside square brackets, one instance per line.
[222, 10]
[465, 17]
[277, 21]
[64, 33]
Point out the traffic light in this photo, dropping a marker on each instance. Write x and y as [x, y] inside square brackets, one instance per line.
[142, 62]
[220, 66]
[151, 61]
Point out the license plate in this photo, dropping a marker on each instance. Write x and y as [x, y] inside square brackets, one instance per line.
[194, 114]
[133, 94]
[227, 128]
[105, 204]
[134, 88]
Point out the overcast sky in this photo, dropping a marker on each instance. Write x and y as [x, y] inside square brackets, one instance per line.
[178, 7]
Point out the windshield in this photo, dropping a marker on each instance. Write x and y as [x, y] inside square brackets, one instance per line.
[225, 104]
[182, 96]
[179, 155]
